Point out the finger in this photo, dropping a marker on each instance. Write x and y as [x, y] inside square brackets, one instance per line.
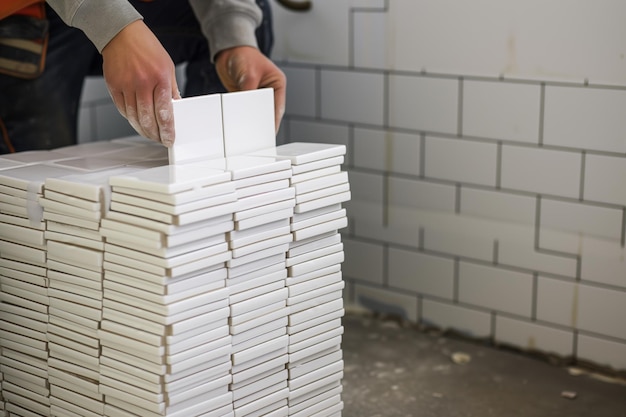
[128, 109]
[279, 105]
[164, 113]
[146, 114]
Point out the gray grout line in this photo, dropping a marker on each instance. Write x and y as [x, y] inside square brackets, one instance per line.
[426, 74]
[535, 295]
[456, 280]
[583, 161]
[459, 127]
[542, 110]
[499, 166]
[623, 238]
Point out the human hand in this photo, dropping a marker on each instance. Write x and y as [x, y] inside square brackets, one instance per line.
[246, 68]
[140, 76]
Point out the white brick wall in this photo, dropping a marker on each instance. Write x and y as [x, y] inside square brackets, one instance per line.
[488, 170]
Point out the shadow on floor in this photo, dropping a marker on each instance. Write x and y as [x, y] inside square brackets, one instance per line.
[393, 370]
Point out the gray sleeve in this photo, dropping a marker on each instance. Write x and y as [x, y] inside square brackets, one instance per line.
[101, 20]
[227, 23]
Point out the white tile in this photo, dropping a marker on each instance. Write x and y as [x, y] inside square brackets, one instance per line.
[246, 306]
[541, 171]
[533, 337]
[198, 129]
[603, 261]
[421, 273]
[301, 94]
[498, 205]
[472, 322]
[316, 375]
[320, 183]
[364, 261]
[341, 89]
[602, 351]
[501, 110]
[172, 178]
[388, 151]
[244, 166]
[370, 40]
[426, 104]
[392, 302]
[509, 291]
[422, 195]
[604, 179]
[310, 175]
[557, 301]
[315, 165]
[261, 199]
[585, 117]
[461, 161]
[248, 118]
[340, 197]
[304, 152]
[600, 311]
[581, 219]
[315, 340]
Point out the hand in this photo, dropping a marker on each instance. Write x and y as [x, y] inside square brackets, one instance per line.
[246, 68]
[141, 79]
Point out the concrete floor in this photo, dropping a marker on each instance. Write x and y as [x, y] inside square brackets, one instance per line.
[392, 369]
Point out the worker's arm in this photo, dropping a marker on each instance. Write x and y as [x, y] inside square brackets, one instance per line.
[140, 74]
[229, 27]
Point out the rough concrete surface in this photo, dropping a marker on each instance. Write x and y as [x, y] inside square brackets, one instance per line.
[392, 369]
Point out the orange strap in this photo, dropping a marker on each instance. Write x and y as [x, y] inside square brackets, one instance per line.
[27, 7]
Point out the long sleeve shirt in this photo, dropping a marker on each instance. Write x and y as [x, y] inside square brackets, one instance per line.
[225, 23]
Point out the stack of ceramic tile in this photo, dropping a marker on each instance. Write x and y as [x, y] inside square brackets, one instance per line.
[73, 208]
[164, 334]
[315, 282]
[256, 280]
[24, 301]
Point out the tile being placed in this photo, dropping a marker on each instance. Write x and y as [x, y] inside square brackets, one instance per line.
[248, 118]
[199, 134]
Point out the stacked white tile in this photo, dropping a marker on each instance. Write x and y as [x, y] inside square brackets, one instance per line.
[314, 277]
[259, 242]
[164, 333]
[24, 301]
[73, 208]
[256, 280]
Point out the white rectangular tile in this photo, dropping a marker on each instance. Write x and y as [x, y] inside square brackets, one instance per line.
[603, 180]
[581, 117]
[474, 323]
[341, 89]
[198, 129]
[426, 104]
[501, 110]
[531, 337]
[461, 161]
[421, 273]
[248, 118]
[543, 171]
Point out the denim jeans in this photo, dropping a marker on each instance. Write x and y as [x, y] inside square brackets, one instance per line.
[42, 113]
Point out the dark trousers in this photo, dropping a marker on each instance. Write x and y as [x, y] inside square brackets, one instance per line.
[42, 113]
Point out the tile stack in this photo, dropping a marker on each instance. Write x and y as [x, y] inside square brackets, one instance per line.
[314, 277]
[24, 301]
[211, 286]
[164, 334]
[256, 280]
[73, 208]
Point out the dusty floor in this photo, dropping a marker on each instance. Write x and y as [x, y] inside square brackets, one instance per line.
[394, 370]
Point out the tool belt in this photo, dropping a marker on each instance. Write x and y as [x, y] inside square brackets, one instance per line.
[23, 38]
